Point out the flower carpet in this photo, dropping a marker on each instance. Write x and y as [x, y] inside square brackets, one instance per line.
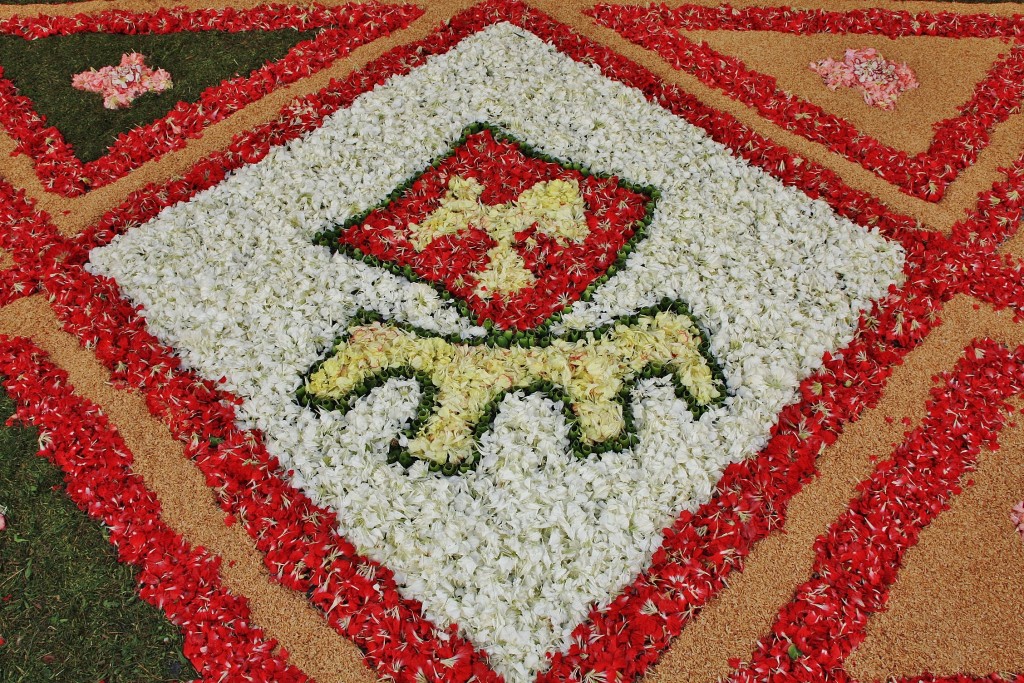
[529, 340]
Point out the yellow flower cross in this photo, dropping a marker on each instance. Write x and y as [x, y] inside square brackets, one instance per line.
[554, 207]
[469, 379]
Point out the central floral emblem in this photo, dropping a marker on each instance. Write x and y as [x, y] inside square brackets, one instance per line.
[553, 209]
[516, 237]
[515, 555]
[512, 234]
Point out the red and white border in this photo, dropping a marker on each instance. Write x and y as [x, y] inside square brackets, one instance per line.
[957, 141]
[750, 501]
[345, 28]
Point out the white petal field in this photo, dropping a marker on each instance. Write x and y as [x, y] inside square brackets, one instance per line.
[518, 550]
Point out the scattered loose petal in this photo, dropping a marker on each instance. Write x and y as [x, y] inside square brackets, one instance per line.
[880, 80]
[122, 84]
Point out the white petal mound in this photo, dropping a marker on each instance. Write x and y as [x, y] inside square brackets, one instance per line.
[516, 551]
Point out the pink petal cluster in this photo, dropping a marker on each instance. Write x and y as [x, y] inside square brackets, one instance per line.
[122, 84]
[1017, 517]
[880, 80]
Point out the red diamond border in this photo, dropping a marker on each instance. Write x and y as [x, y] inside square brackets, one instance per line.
[749, 501]
[957, 142]
[345, 28]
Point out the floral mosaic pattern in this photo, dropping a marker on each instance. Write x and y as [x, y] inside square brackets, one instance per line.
[364, 599]
[516, 236]
[712, 209]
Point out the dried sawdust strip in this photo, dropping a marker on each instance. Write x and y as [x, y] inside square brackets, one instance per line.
[188, 505]
[6, 260]
[1005, 148]
[19, 171]
[1014, 246]
[1000, 7]
[957, 605]
[732, 623]
[947, 68]
[938, 216]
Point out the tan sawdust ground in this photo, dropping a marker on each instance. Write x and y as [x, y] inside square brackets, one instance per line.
[958, 606]
[997, 8]
[188, 505]
[6, 261]
[938, 216]
[732, 623]
[948, 67]
[1005, 148]
[71, 215]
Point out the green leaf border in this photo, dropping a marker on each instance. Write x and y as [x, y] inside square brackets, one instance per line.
[330, 238]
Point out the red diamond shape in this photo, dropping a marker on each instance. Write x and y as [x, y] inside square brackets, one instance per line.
[562, 268]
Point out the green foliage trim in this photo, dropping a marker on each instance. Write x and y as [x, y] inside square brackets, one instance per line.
[496, 337]
[626, 438]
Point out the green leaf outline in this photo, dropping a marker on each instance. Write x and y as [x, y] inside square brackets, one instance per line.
[626, 437]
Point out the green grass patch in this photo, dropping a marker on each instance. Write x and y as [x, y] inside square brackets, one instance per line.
[68, 609]
[42, 70]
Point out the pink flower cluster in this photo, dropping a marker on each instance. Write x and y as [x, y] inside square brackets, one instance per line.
[122, 84]
[880, 80]
[1017, 517]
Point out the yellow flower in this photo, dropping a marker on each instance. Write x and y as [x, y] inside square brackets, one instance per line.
[468, 378]
[556, 207]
